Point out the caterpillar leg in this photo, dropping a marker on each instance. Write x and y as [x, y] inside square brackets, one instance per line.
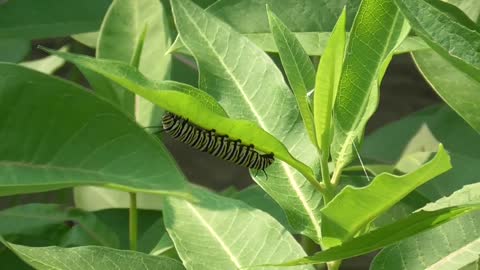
[264, 172]
[266, 175]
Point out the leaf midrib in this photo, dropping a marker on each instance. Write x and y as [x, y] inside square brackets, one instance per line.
[217, 237]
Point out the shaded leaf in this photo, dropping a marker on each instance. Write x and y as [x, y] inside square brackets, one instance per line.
[256, 197]
[298, 16]
[453, 245]
[88, 39]
[314, 43]
[58, 135]
[163, 246]
[117, 220]
[64, 226]
[7, 257]
[447, 30]
[421, 132]
[22, 19]
[151, 236]
[354, 208]
[13, 49]
[90, 257]
[457, 89]
[48, 64]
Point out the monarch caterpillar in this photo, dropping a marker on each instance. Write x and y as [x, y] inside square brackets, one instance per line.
[218, 145]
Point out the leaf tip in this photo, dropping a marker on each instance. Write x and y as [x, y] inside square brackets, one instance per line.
[45, 49]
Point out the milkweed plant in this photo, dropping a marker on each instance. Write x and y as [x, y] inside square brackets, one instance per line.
[282, 88]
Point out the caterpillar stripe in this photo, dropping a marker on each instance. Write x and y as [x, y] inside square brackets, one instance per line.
[218, 145]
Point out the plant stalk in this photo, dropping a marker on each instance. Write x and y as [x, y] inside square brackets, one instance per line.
[335, 265]
[336, 177]
[133, 221]
[329, 188]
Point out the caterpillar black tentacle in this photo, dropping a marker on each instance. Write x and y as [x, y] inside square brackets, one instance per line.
[218, 145]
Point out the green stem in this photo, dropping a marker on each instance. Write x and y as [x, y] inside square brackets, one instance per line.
[307, 172]
[329, 188]
[336, 177]
[133, 221]
[335, 265]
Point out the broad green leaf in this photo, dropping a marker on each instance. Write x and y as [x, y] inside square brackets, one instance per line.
[33, 19]
[13, 49]
[119, 36]
[411, 44]
[93, 198]
[453, 245]
[256, 197]
[298, 67]
[326, 84]
[56, 134]
[190, 107]
[298, 16]
[62, 225]
[456, 88]
[247, 83]
[366, 58]
[90, 257]
[388, 235]
[307, 18]
[472, 266]
[7, 257]
[470, 7]
[314, 43]
[221, 233]
[130, 78]
[441, 75]
[151, 236]
[447, 30]
[353, 208]
[48, 64]
[163, 246]
[406, 206]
